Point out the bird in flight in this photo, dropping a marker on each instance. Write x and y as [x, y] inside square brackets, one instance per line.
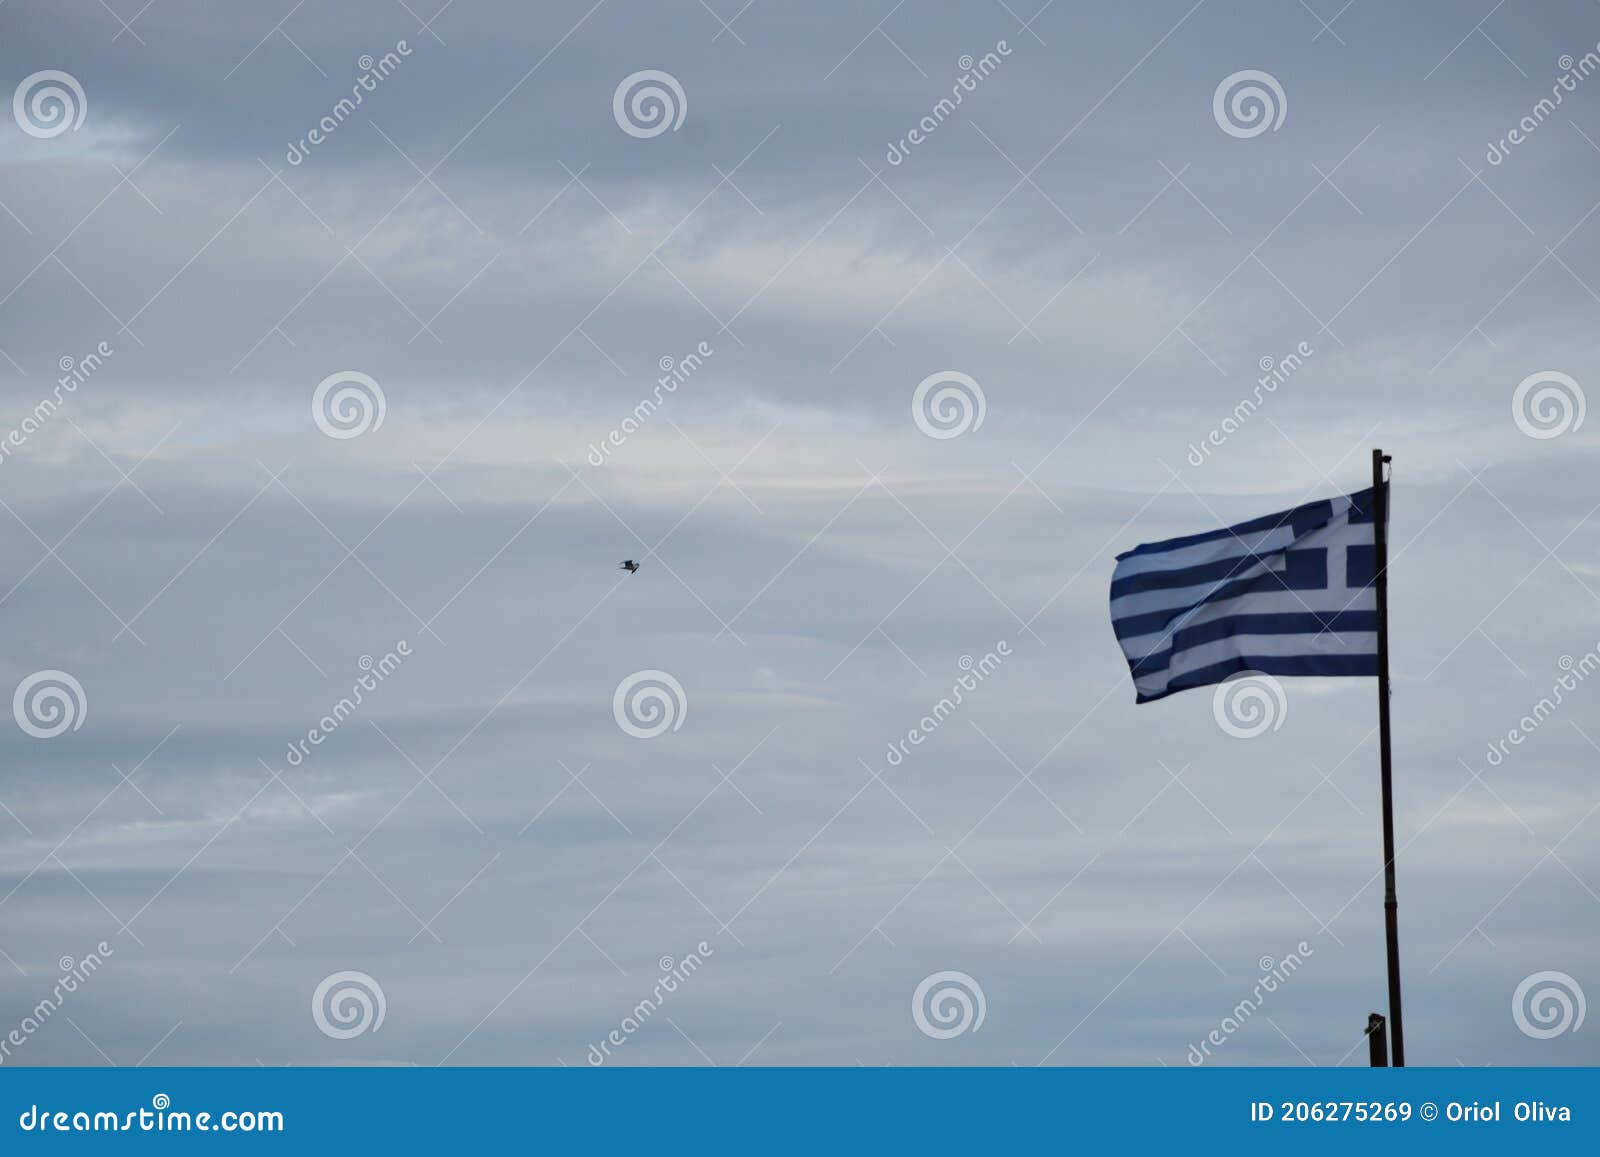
[629, 565]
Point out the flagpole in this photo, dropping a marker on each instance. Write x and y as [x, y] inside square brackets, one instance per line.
[1391, 918]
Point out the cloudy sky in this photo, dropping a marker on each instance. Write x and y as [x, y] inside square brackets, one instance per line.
[510, 250]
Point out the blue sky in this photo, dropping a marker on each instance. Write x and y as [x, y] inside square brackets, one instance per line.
[510, 268]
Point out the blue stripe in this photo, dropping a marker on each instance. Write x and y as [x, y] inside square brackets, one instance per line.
[1302, 518]
[1298, 623]
[1268, 665]
[1305, 570]
[1189, 576]
[1361, 505]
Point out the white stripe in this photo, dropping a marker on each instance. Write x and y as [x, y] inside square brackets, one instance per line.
[1174, 598]
[1338, 534]
[1279, 602]
[1308, 645]
[1227, 546]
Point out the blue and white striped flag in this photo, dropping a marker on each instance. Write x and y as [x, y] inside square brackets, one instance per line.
[1287, 594]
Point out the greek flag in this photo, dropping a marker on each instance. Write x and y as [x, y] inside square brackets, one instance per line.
[1287, 594]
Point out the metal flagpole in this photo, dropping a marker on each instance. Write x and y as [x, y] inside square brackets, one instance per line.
[1380, 542]
[1377, 1041]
